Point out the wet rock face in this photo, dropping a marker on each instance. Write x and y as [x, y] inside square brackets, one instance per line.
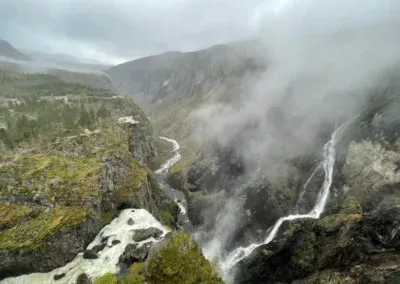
[133, 253]
[90, 254]
[58, 276]
[144, 234]
[58, 249]
[336, 242]
[83, 279]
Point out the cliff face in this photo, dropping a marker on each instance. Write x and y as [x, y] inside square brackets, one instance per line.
[55, 197]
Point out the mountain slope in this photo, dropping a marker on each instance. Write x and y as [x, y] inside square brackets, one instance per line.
[173, 75]
[7, 50]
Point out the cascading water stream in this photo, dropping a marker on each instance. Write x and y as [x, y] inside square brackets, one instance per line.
[230, 261]
[175, 194]
[169, 163]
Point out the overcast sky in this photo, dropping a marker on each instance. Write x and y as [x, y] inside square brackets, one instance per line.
[112, 31]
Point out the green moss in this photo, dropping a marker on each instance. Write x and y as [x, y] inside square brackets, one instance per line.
[58, 178]
[181, 261]
[112, 142]
[290, 231]
[10, 213]
[305, 255]
[266, 253]
[332, 223]
[33, 233]
[351, 205]
[166, 218]
[107, 278]
[107, 217]
[135, 275]
[134, 179]
[287, 235]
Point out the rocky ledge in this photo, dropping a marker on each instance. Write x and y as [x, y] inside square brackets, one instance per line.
[56, 198]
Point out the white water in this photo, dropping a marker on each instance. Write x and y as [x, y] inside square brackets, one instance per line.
[169, 163]
[118, 229]
[230, 261]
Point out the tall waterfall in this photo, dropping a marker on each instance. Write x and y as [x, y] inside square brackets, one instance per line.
[329, 154]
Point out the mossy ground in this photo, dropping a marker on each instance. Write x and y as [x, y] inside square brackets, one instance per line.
[166, 218]
[10, 213]
[33, 233]
[181, 261]
[107, 278]
[305, 255]
[134, 180]
[331, 223]
[135, 276]
[59, 179]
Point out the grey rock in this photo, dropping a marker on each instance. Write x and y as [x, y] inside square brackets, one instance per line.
[133, 254]
[83, 279]
[98, 248]
[116, 242]
[144, 234]
[58, 276]
[90, 254]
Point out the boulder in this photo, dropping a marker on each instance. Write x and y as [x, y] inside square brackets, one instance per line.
[144, 234]
[90, 254]
[133, 254]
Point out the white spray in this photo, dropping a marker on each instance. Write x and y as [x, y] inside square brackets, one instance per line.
[230, 261]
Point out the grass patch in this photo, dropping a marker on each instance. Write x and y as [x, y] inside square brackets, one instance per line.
[107, 278]
[10, 213]
[134, 179]
[181, 261]
[333, 223]
[58, 178]
[166, 218]
[33, 233]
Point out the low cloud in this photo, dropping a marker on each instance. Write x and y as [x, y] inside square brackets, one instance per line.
[324, 58]
[114, 31]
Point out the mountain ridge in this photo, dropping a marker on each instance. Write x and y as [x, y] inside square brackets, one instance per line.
[9, 51]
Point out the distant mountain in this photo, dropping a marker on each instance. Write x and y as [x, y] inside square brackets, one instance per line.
[65, 61]
[174, 75]
[7, 50]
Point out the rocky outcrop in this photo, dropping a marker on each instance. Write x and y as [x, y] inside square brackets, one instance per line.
[56, 198]
[342, 244]
[47, 241]
[178, 259]
[356, 241]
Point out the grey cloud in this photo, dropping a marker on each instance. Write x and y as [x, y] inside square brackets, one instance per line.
[125, 29]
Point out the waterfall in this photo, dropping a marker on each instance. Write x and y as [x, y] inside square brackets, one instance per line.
[107, 261]
[329, 154]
